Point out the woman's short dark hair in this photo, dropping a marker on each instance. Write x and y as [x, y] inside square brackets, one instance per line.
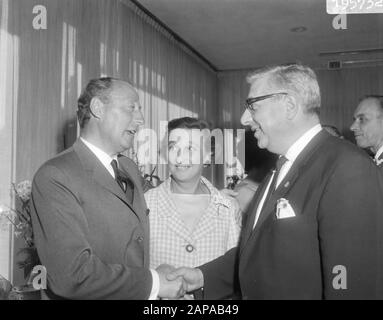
[191, 123]
[187, 123]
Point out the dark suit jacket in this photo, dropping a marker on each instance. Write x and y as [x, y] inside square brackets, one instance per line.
[336, 193]
[92, 241]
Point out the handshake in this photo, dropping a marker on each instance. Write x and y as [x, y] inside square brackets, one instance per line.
[175, 283]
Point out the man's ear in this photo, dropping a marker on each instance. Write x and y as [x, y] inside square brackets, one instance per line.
[292, 107]
[96, 107]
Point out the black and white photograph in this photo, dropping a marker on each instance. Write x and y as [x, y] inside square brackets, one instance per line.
[213, 151]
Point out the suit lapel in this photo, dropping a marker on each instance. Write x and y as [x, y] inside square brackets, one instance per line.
[379, 161]
[252, 210]
[286, 184]
[139, 203]
[95, 168]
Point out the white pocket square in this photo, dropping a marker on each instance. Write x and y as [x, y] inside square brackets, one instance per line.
[284, 209]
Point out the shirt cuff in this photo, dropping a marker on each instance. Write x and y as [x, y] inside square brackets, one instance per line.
[155, 285]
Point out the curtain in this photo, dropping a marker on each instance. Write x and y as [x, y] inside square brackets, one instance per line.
[87, 39]
[8, 107]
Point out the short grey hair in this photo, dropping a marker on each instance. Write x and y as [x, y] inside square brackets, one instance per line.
[298, 80]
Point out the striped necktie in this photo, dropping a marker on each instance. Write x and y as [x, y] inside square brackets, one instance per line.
[123, 181]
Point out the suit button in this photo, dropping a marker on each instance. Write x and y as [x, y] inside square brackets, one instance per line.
[189, 248]
[140, 239]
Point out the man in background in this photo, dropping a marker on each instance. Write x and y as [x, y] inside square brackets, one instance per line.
[89, 214]
[368, 126]
[314, 228]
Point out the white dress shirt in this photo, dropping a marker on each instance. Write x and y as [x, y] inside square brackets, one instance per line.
[291, 154]
[106, 160]
[378, 154]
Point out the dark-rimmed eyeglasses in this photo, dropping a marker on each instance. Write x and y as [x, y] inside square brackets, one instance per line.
[250, 101]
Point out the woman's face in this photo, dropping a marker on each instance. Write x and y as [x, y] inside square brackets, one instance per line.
[185, 154]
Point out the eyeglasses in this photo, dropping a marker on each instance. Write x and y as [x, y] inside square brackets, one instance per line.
[249, 102]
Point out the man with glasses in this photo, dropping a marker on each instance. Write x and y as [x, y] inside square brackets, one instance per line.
[368, 126]
[89, 215]
[314, 227]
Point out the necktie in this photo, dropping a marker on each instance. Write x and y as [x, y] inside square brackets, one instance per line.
[280, 162]
[123, 181]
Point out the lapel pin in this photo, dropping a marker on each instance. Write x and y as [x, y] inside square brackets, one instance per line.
[287, 184]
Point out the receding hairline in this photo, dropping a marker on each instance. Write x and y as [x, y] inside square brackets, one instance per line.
[372, 98]
[369, 103]
[118, 84]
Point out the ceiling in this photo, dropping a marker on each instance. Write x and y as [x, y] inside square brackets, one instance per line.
[245, 34]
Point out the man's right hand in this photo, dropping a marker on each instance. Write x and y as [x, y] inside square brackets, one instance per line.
[170, 289]
[193, 278]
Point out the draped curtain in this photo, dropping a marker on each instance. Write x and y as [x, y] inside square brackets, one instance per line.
[8, 108]
[91, 38]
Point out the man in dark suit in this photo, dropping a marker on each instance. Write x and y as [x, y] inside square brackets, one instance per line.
[314, 228]
[368, 126]
[89, 214]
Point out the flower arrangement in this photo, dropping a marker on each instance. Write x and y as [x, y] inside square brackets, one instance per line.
[232, 181]
[20, 218]
[150, 181]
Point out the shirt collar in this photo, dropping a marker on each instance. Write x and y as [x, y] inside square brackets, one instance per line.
[101, 155]
[294, 151]
[379, 153]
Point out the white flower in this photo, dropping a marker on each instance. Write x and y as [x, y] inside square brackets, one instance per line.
[3, 209]
[18, 234]
[6, 213]
[23, 190]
